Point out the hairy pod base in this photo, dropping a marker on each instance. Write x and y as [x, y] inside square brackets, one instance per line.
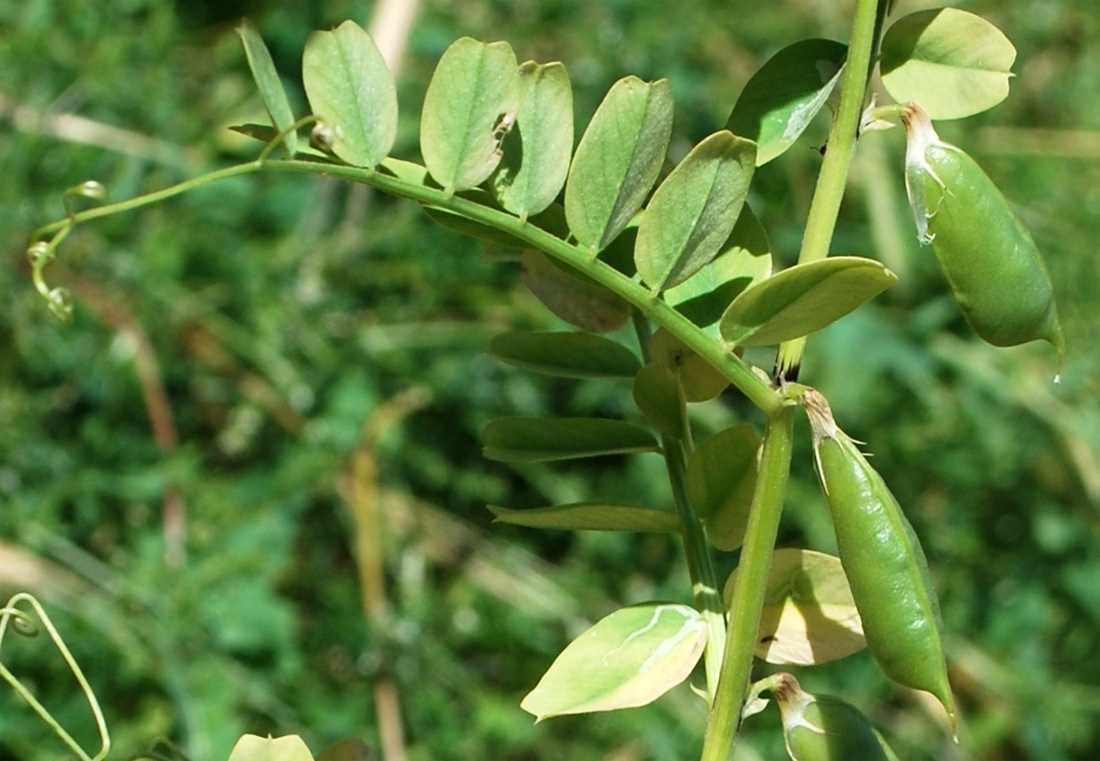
[825, 728]
[987, 255]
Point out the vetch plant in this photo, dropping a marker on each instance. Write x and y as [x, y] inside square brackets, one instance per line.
[604, 242]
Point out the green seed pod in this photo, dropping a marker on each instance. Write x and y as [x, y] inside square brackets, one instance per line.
[989, 258]
[825, 728]
[883, 561]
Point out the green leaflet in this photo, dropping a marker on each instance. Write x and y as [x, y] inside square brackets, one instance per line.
[699, 380]
[570, 355]
[618, 160]
[351, 749]
[745, 259]
[351, 91]
[255, 748]
[628, 659]
[781, 99]
[269, 84]
[590, 516]
[803, 299]
[660, 397]
[573, 298]
[536, 151]
[526, 439]
[694, 210]
[951, 62]
[470, 106]
[721, 478]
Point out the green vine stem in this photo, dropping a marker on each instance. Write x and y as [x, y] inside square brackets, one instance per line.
[704, 581]
[21, 623]
[825, 207]
[724, 719]
[756, 388]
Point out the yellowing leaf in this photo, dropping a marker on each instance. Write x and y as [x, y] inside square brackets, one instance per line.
[809, 615]
[950, 62]
[628, 659]
[255, 748]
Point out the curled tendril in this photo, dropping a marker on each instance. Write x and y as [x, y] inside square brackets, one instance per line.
[44, 252]
[21, 623]
[31, 624]
[40, 254]
[60, 302]
[90, 189]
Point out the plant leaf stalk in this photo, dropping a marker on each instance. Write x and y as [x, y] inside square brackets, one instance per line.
[758, 390]
[704, 581]
[825, 207]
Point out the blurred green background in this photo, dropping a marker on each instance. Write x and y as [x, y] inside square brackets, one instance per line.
[178, 467]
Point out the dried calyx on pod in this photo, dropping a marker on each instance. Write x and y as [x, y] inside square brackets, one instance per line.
[989, 258]
[825, 728]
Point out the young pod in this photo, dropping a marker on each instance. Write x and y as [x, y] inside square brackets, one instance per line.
[825, 728]
[989, 258]
[882, 559]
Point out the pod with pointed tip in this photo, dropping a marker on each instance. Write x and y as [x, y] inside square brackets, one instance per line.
[825, 728]
[882, 559]
[990, 260]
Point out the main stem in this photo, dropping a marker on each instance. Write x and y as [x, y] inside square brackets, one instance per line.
[825, 206]
[724, 719]
[748, 589]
